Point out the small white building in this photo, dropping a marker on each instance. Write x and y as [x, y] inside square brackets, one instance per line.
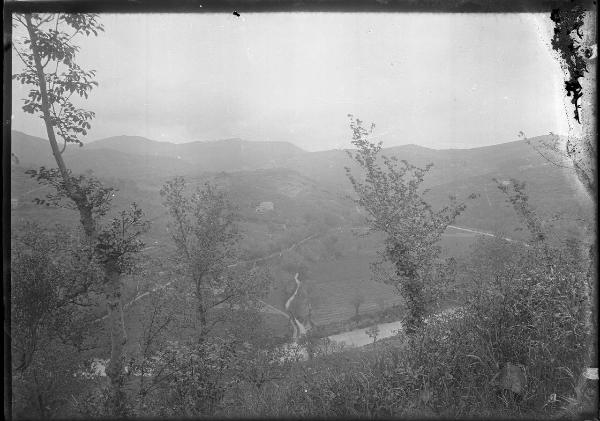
[265, 207]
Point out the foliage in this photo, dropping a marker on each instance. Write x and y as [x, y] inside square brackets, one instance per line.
[531, 315]
[527, 307]
[337, 386]
[97, 196]
[48, 54]
[373, 332]
[50, 47]
[190, 380]
[204, 229]
[53, 293]
[119, 241]
[519, 199]
[392, 196]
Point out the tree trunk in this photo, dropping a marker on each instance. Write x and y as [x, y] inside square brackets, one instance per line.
[200, 308]
[46, 108]
[112, 275]
[412, 291]
[118, 336]
[39, 397]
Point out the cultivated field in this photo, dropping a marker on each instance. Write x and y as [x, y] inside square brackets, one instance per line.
[335, 283]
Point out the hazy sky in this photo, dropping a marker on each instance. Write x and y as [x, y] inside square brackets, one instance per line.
[441, 81]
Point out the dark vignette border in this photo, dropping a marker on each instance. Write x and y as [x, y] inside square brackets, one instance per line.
[245, 6]
[6, 140]
[237, 7]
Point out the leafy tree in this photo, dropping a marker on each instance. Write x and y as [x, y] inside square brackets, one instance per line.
[48, 52]
[203, 228]
[45, 43]
[52, 309]
[190, 380]
[391, 194]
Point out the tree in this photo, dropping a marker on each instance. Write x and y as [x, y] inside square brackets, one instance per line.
[45, 45]
[203, 228]
[357, 300]
[48, 54]
[391, 194]
[51, 314]
[373, 332]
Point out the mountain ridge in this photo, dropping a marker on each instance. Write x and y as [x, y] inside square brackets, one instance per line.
[96, 143]
[137, 157]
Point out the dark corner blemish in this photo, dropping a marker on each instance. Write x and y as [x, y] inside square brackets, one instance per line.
[567, 27]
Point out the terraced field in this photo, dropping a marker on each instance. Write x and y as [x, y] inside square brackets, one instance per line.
[336, 306]
[335, 283]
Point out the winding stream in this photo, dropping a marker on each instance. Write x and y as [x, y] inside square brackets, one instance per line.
[298, 328]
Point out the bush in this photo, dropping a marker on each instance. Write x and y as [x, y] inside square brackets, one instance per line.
[534, 315]
[53, 286]
[531, 315]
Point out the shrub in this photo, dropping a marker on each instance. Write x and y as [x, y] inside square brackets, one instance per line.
[533, 315]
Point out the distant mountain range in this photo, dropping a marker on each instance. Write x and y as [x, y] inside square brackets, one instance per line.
[301, 182]
[136, 157]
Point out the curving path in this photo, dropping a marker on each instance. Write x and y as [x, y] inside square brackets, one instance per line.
[487, 234]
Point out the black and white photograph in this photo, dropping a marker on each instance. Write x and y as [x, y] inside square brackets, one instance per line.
[363, 211]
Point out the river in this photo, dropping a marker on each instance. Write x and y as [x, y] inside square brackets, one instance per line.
[359, 337]
[353, 338]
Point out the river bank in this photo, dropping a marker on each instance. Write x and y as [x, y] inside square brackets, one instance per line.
[360, 337]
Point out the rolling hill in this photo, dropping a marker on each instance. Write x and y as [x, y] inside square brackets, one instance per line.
[305, 183]
[309, 193]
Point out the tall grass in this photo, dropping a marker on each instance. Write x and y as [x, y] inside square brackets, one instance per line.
[531, 313]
